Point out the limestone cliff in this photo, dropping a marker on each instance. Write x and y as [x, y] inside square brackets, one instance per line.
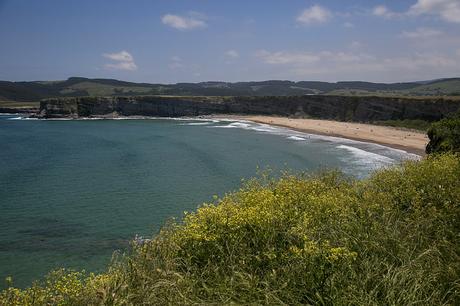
[342, 108]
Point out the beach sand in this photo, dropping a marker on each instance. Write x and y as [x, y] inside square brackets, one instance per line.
[408, 140]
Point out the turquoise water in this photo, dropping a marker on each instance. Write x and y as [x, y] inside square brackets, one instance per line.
[73, 192]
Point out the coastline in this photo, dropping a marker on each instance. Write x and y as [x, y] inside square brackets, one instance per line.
[407, 140]
[410, 141]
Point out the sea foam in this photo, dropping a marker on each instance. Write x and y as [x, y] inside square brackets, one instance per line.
[362, 154]
[366, 156]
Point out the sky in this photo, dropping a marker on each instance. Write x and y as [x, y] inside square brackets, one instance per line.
[169, 41]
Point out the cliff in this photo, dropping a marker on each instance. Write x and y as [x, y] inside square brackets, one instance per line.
[341, 108]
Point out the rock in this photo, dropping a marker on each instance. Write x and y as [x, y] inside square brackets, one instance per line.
[342, 108]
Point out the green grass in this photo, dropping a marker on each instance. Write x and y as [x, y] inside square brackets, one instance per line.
[363, 93]
[392, 239]
[394, 94]
[97, 89]
[17, 104]
[446, 87]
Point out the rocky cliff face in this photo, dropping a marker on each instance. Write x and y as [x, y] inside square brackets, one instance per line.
[342, 108]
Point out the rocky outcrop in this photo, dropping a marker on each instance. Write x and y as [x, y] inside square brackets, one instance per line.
[361, 109]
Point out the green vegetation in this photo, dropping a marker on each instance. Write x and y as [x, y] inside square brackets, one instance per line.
[392, 239]
[417, 124]
[444, 135]
[437, 88]
[96, 89]
[77, 87]
[15, 104]
[443, 87]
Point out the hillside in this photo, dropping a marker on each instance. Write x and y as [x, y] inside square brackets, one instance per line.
[77, 87]
[300, 239]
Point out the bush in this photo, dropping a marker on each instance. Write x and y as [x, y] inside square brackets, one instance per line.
[324, 239]
[444, 136]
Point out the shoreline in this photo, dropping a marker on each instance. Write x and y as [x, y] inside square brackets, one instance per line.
[413, 142]
[407, 140]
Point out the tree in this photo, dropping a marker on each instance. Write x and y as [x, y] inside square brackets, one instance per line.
[444, 136]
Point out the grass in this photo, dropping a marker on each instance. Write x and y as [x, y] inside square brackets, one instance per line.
[392, 239]
[17, 104]
[97, 89]
[449, 89]
[446, 87]
[393, 94]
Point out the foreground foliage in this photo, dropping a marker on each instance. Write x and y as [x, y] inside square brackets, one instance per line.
[392, 239]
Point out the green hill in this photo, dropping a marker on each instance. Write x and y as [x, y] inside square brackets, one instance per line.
[77, 86]
[437, 88]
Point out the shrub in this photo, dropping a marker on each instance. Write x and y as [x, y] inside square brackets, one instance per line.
[300, 239]
[444, 136]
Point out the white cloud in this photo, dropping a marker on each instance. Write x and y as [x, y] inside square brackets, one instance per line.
[448, 10]
[284, 57]
[355, 44]
[421, 33]
[314, 14]
[308, 58]
[421, 62]
[348, 25]
[130, 66]
[176, 63]
[232, 54]
[194, 21]
[123, 56]
[383, 11]
[122, 60]
[339, 65]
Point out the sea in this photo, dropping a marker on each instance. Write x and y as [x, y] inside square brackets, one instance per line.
[75, 192]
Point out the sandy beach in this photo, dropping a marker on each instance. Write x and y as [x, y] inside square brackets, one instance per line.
[408, 140]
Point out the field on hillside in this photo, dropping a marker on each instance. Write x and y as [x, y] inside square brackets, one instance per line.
[14, 104]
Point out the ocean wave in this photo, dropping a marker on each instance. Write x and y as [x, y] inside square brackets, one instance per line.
[235, 125]
[354, 146]
[379, 152]
[296, 138]
[196, 123]
[366, 156]
[210, 120]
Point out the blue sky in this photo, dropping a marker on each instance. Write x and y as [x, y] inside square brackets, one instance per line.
[167, 41]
